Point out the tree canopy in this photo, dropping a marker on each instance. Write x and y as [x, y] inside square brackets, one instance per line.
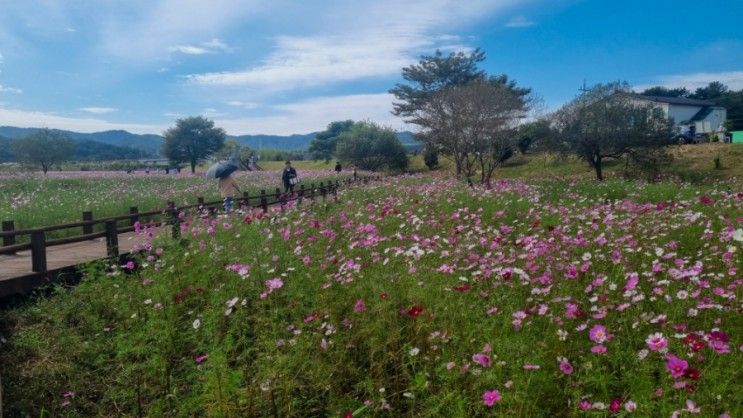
[324, 144]
[666, 92]
[605, 122]
[44, 148]
[191, 140]
[371, 147]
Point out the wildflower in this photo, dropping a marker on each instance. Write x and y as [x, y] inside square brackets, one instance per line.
[598, 333]
[274, 283]
[415, 311]
[598, 349]
[565, 366]
[676, 365]
[201, 358]
[360, 306]
[490, 397]
[615, 405]
[414, 351]
[630, 406]
[656, 341]
[738, 235]
[196, 323]
[481, 359]
[584, 405]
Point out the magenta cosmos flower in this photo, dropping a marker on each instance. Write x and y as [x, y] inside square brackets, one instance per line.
[656, 341]
[481, 359]
[490, 397]
[676, 366]
[598, 334]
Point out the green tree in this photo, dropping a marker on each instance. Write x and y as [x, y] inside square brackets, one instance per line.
[233, 150]
[323, 146]
[191, 140]
[532, 133]
[712, 91]
[605, 122]
[430, 158]
[666, 92]
[371, 147]
[44, 147]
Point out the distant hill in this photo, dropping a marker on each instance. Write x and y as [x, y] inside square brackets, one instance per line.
[5, 155]
[85, 150]
[150, 143]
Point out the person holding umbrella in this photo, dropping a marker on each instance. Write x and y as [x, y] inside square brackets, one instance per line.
[289, 176]
[227, 184]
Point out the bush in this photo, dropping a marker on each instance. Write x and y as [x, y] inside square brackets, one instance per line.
[369, 146]
[431, 158]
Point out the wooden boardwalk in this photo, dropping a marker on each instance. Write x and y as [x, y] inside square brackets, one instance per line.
[17, 267]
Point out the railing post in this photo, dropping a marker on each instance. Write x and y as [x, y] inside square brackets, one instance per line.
[8, 226]
[245, 202]
[200, 200]
[323, 192]
[112, 241]
[173, 214]
[38, 251]
[134, 212]
[335, 191]
[264, 201]
[301, 194]
[87, 216]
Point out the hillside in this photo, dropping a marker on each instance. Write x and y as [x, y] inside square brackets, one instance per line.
[86, 150]
[150, 143]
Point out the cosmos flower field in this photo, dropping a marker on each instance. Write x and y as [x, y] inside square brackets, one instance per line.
[412, 296]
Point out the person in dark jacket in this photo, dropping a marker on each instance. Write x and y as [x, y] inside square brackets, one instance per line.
[289, 176]
[338, 167]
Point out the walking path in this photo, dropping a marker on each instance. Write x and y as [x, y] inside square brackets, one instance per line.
[67, 255]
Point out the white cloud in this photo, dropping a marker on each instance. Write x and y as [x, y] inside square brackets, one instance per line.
[246, 105]
[8, 89]
[520, 22]
[209, 47]
[365, 40]
[188, 49]
[98, 110]
[315, 114]
[141, 31]
[33, 119]
[732, 79]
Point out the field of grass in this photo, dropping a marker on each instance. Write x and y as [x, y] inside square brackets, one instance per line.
[690, 162]
[33, 200]
[413, 297]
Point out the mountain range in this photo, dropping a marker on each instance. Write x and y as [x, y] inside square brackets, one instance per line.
[150, 143]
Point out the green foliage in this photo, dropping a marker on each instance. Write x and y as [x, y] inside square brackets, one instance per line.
[235, 151]
[193, 139]
[431, 158]
[605, 122]
[530, 134]
[712, 91]
[324, 145]
[432, 74]
[666, 92]
[369, 146]
[43, 148]
[270, 154]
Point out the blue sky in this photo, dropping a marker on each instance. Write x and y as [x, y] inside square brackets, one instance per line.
[282, 67]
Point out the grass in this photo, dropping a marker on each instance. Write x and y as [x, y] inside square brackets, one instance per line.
[37, 200]
[411, 297]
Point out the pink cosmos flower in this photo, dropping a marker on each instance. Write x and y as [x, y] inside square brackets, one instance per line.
[481, 359]
[274, 283]
[630, 406]
[360, 306]
[676, 365]
[598, 334]
[566, 367]
[201, 358]
[598, 349]
[490, 397]
[615, 405]
[656, 341]
[584, 405]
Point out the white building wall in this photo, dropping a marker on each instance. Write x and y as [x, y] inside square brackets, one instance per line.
[681, 113]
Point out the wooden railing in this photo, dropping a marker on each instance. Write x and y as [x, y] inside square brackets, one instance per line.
[169, 215]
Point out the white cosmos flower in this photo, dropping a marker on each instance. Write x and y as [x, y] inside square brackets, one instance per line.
[738, 235]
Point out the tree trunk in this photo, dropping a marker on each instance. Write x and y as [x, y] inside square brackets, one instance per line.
[44, 168]
[596, 163]
[193, 166]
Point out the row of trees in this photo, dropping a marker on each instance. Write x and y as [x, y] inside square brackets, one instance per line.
[477, 119]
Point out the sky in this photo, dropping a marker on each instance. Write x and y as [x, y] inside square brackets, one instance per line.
[284, 67]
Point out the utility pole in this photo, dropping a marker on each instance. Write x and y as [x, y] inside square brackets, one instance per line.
[583, 89]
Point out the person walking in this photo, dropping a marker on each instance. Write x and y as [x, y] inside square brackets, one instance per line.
[227, 188]
[338, 167]
[289, 176]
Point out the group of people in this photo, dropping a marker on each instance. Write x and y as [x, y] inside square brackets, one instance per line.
[228, 186]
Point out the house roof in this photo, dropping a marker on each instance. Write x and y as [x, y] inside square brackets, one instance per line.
[683, 101]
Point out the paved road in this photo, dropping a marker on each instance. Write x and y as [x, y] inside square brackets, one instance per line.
[64, 255]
